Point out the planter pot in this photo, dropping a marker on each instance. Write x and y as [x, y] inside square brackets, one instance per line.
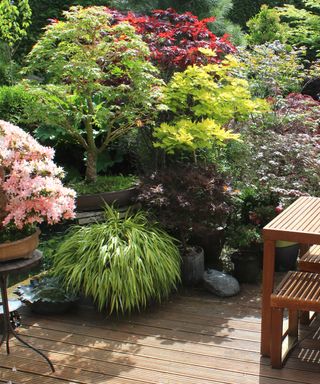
[192, 266]
[97, 201]
[45, 297]
[20, 249]
[48, 308]
[247, 266]
[212, 242]
[286, 255]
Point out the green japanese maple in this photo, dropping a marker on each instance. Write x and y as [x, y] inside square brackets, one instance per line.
[202, 101]
[15, 18]
[96, 81]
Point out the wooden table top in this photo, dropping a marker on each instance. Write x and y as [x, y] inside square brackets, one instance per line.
[18, 265]
[299, 222]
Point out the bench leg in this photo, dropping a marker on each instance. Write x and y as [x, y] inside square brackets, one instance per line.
[293, 323]
[276, 337]
[305, 317]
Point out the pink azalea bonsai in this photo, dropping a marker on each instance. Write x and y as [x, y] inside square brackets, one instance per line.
[31, 190]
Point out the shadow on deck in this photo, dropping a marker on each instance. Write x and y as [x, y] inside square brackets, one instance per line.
[193, 338]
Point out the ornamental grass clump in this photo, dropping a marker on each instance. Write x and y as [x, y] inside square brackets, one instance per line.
[31, 190]
[123, 263]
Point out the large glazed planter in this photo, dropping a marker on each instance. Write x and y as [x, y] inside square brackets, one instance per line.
[20, 249]
[97, 201]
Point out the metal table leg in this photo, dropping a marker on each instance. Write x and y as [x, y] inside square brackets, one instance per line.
[7, 327]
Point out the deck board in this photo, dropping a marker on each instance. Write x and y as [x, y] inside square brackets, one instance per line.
[194, 338]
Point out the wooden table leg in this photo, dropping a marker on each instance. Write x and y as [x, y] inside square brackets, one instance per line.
[304, 315]
[267, 288]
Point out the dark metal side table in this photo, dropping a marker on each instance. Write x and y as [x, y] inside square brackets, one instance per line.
[14, 267]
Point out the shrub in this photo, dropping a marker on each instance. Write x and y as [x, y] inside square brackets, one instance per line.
[14, 104]
[176, 40]
[186, 199]
[273, 69]
[243, 10]
[266, 27]
[123, 263]
[31, 190]
[285, 164]
[201, 102]
[304, 23]
[295, 113]
[15, 19]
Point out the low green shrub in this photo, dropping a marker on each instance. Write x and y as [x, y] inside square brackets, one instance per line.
[14, 103]
[103, 184]
[123, 263]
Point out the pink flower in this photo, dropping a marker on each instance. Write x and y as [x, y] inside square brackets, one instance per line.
[32, 182]
[279, 208]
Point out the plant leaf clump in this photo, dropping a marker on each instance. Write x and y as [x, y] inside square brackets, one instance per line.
[123, 263]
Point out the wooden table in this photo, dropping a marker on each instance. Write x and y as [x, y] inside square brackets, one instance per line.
[300, 223]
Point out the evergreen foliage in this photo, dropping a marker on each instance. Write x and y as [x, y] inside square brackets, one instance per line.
[304, 25]
[266, 27]
[243, 10]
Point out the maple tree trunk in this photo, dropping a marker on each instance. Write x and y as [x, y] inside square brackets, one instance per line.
[91, 170]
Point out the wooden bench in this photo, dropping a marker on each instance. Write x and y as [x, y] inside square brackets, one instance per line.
[310, 261]
[298, 291]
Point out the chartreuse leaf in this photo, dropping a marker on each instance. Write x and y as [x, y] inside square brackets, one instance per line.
[189, 136]
[203, 101]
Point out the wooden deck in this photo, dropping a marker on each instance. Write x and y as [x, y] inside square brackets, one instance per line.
[194, 338]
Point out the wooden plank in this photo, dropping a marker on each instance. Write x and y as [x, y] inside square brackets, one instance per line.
[293, 210]
[302, 218]
[173, 362]
[146, 337]
[173, 343]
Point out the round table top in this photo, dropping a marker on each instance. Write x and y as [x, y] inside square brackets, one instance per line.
[13, 266]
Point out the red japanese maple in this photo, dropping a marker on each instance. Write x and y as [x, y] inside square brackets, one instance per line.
[174, 39]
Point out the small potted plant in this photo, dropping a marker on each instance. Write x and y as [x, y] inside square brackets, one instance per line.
[246, 240]
[46, 295]
[31, 192]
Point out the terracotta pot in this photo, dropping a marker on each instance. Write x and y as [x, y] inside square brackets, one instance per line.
[20, 249]
[97, 201]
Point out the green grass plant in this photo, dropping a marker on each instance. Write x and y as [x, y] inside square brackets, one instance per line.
[103, 184]
[123, 263]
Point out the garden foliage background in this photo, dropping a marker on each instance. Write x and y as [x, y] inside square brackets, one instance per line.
[214, 104]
